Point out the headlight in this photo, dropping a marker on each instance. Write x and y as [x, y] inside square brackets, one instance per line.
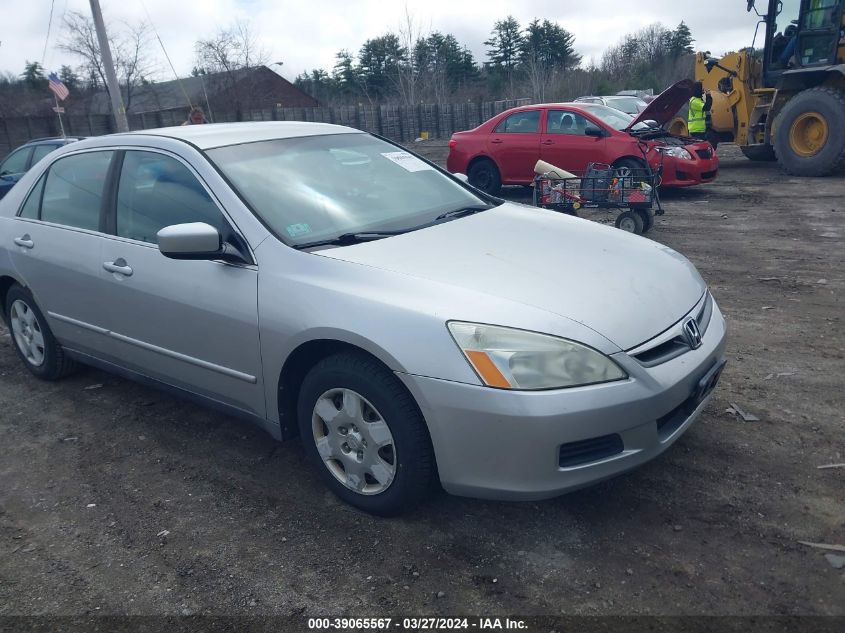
[515, 359]
[677, 152]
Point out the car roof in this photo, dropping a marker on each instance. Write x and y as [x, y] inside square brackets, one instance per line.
[53, 140]
[222, 134]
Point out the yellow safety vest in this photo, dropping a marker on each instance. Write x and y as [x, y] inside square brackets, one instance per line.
[696, 122]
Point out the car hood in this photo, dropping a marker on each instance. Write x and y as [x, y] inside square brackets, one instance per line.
[666, 105]
[626, 288]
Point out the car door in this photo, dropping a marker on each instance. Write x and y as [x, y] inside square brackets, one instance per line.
[515, 146]
[191, 324]
[565, 144]
[13, 167]
[55, 247]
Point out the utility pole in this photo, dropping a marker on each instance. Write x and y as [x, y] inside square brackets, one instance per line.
[108, 65]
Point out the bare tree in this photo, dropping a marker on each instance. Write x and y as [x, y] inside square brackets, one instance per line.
[130, 46]
[407, 77]
[231, 52]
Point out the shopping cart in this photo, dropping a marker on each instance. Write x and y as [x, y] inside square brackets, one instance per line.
[630, 192]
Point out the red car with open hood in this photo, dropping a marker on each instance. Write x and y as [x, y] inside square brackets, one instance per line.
[504, 150]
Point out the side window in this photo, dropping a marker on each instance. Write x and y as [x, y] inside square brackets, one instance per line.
[561, 122]
[15, 163]
[155, 191]
[40, 151]
[73, 192]
[520, 123]
[31, 207]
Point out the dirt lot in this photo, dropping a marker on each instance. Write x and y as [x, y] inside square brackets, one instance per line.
[116, 499]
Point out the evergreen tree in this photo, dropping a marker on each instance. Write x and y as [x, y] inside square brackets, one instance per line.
[69, 78]
[33, 75]
[680, 41]
[505, 45]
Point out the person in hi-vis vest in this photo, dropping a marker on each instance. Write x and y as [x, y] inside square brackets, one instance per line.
[698, 120]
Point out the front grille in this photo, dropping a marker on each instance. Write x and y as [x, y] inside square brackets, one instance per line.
[592, 450]
[678, 345]
[708, 175]
[682, 175]
[704, 153]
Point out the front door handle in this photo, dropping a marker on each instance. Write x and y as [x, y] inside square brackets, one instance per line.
[548, 142]
[24, 241]
[118, 266]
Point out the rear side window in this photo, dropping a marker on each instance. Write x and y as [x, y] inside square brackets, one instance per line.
[520, 123]
[40, 151]
[73, 192]
[15, 163]
[30, 208]
[156, 191]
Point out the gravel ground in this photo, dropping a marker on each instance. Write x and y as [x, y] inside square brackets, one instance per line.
[118, 499]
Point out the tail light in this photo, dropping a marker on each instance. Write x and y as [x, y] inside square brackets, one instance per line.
[453, 143]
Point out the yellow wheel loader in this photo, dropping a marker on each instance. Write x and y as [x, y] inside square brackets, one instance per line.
[786, 102]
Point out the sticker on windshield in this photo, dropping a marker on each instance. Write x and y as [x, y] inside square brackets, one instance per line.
[407, 161]
[298, 230]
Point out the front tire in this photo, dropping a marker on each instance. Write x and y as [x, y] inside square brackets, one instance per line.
[485, 175]
[365, 434]
[810, 132]
[32, 338]
[759, 153]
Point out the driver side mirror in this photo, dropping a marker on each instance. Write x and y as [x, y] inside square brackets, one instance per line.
[195, 241]
[595, 131]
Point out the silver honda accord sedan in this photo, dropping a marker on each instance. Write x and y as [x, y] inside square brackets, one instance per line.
[326, 283]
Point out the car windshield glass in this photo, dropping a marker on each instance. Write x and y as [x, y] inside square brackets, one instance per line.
[612, 117]
[316, 188]
[631, 105]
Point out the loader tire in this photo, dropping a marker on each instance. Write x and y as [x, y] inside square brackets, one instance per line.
[810, 132]
[761, 153]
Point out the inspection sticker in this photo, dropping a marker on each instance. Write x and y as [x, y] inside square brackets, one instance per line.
[296, 230]
[407, 161]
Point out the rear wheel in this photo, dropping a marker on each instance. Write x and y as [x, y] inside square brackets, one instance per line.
[485, 175]
[33, 340]
[810, 132]
[630, 221]
[762, 153]
[365, 434]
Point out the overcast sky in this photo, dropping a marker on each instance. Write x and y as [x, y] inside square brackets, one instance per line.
[306, 35]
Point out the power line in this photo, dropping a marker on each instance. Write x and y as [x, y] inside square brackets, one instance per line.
[178, 80]
[49, 26]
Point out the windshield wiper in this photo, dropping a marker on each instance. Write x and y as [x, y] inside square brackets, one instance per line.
[462, 212]
[348, 239]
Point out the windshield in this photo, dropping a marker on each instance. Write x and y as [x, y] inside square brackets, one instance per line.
[315, 188]
[612, 117]
[631, 105]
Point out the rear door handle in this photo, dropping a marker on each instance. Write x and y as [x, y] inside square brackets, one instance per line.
[118, 266]
[497, 141]
[24, 241]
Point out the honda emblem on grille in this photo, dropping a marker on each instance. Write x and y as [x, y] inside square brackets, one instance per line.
[692, 333]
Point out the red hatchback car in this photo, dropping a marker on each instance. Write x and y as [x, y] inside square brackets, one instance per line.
[504, 150]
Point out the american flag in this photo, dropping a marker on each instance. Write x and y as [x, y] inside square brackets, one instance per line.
[57, 86]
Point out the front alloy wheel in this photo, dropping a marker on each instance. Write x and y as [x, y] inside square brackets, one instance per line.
[354, 441]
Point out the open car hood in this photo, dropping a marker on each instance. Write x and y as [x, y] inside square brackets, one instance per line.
[667, 103]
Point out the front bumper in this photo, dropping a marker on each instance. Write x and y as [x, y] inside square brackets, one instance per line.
[678, 172]
[500, 444]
